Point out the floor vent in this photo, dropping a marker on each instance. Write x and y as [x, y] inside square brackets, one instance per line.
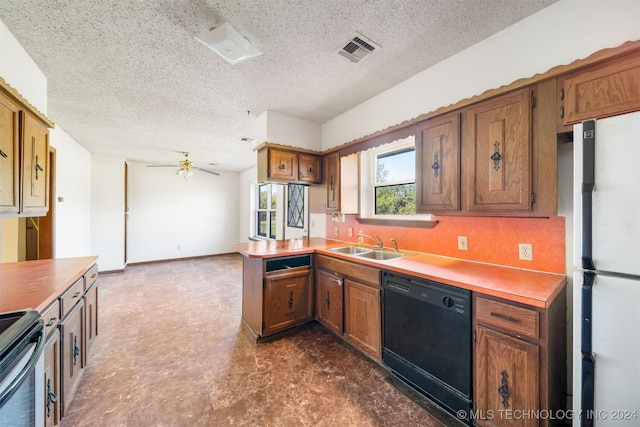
[358, 48]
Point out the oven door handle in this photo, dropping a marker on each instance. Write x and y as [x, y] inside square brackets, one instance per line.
[36, 351]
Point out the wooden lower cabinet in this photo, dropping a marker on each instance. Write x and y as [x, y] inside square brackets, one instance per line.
[520, 362]
[71, 354]
[507, 379]
[287, 300]
[90, 321]
[362, 321]
[329, 300]
[277, 294]
[52, 380]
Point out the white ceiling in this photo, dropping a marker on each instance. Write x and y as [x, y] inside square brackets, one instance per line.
[127, 77]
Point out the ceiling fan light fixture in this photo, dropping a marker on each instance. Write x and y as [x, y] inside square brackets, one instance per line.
[229, 44]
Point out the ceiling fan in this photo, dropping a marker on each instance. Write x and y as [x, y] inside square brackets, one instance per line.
[185, 167]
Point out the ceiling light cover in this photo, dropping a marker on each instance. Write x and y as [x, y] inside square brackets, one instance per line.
[229, 44]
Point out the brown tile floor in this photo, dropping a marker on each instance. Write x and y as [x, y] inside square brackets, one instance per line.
[171, 351]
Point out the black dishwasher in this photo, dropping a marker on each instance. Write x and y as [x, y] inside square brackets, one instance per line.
[427, 338]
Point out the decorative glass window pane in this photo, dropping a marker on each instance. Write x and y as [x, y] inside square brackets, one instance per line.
[262, 223]
[295, 210]
[272, 230]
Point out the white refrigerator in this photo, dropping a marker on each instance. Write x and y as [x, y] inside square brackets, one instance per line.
[606, 287]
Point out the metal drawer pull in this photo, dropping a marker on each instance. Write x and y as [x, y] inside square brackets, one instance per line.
[496, 155]
[52, 321]
[76, 349]
[504, 317]
[503, 390]
[328, 301]
[76, 295]
[51, 397]
[3, 154]
[291, 299]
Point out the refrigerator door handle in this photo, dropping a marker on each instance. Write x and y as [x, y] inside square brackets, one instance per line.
[588, 358]
[588, 184]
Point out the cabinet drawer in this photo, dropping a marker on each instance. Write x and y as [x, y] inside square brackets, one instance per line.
[71, 297]
[51, 317]
[91, 276]
[520, 320]
[356, 271]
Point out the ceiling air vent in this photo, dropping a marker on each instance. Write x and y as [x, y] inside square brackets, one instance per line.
[358, 48]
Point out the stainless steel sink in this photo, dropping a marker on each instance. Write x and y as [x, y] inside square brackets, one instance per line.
[351, 250]
[381, 255]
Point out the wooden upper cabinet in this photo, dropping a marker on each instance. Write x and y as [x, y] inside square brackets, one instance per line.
[283, 165]
[332, 168]
[9, 159]
[35, 165]
[309, 168]
[603, 90]
[498, 140]
[438, 165]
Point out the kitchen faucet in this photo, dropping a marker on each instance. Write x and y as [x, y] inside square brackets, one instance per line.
[395, 244]
[378, 240]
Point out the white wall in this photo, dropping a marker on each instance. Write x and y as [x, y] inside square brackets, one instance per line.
[20, 72]
[107, 211]
[246, 203]
[200, 216]
[559, 34]
[72, 216]
[273, 126]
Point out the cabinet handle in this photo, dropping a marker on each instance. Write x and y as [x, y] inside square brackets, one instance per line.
[38, 167]
[328, 301]
[3, 154]
[562, 112]
[435, 166]
[291, 299]
[503, 390]
[504, 317]
[76, 295]
[51, 397]
[282, 167]
[331, 183]
[76, 349]
[51, 321]
[496, 155]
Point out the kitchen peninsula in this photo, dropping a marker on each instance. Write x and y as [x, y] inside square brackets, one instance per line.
[516, 329]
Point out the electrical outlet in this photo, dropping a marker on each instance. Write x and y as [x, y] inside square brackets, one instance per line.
[526, 251]
[350, 231]
[462, 243]
[336, 231]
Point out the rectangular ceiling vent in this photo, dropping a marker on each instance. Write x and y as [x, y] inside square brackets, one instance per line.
[358, 48]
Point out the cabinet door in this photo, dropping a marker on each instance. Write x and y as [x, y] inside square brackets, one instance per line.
[309, 168]
[498, 161]
[332, 167]
[506, 379]
[283, 165]
[90, 321]
[52, 380]
[438, 165]
[9, 165]
[287, 300]
[35, 165]
[362, 323]
[329, 300]
[71, 354]
[607, 89]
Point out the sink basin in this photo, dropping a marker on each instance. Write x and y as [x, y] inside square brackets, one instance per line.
[352, 250]
[381, 255]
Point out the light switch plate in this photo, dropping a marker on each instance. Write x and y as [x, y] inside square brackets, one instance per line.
[463, 244]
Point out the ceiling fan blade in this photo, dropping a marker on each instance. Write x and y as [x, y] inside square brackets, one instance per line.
[161, 166]
[207, 171]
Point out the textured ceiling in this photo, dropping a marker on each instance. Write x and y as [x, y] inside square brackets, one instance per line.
[127, 77]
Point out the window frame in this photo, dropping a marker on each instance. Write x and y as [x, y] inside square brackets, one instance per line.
[270, 211]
